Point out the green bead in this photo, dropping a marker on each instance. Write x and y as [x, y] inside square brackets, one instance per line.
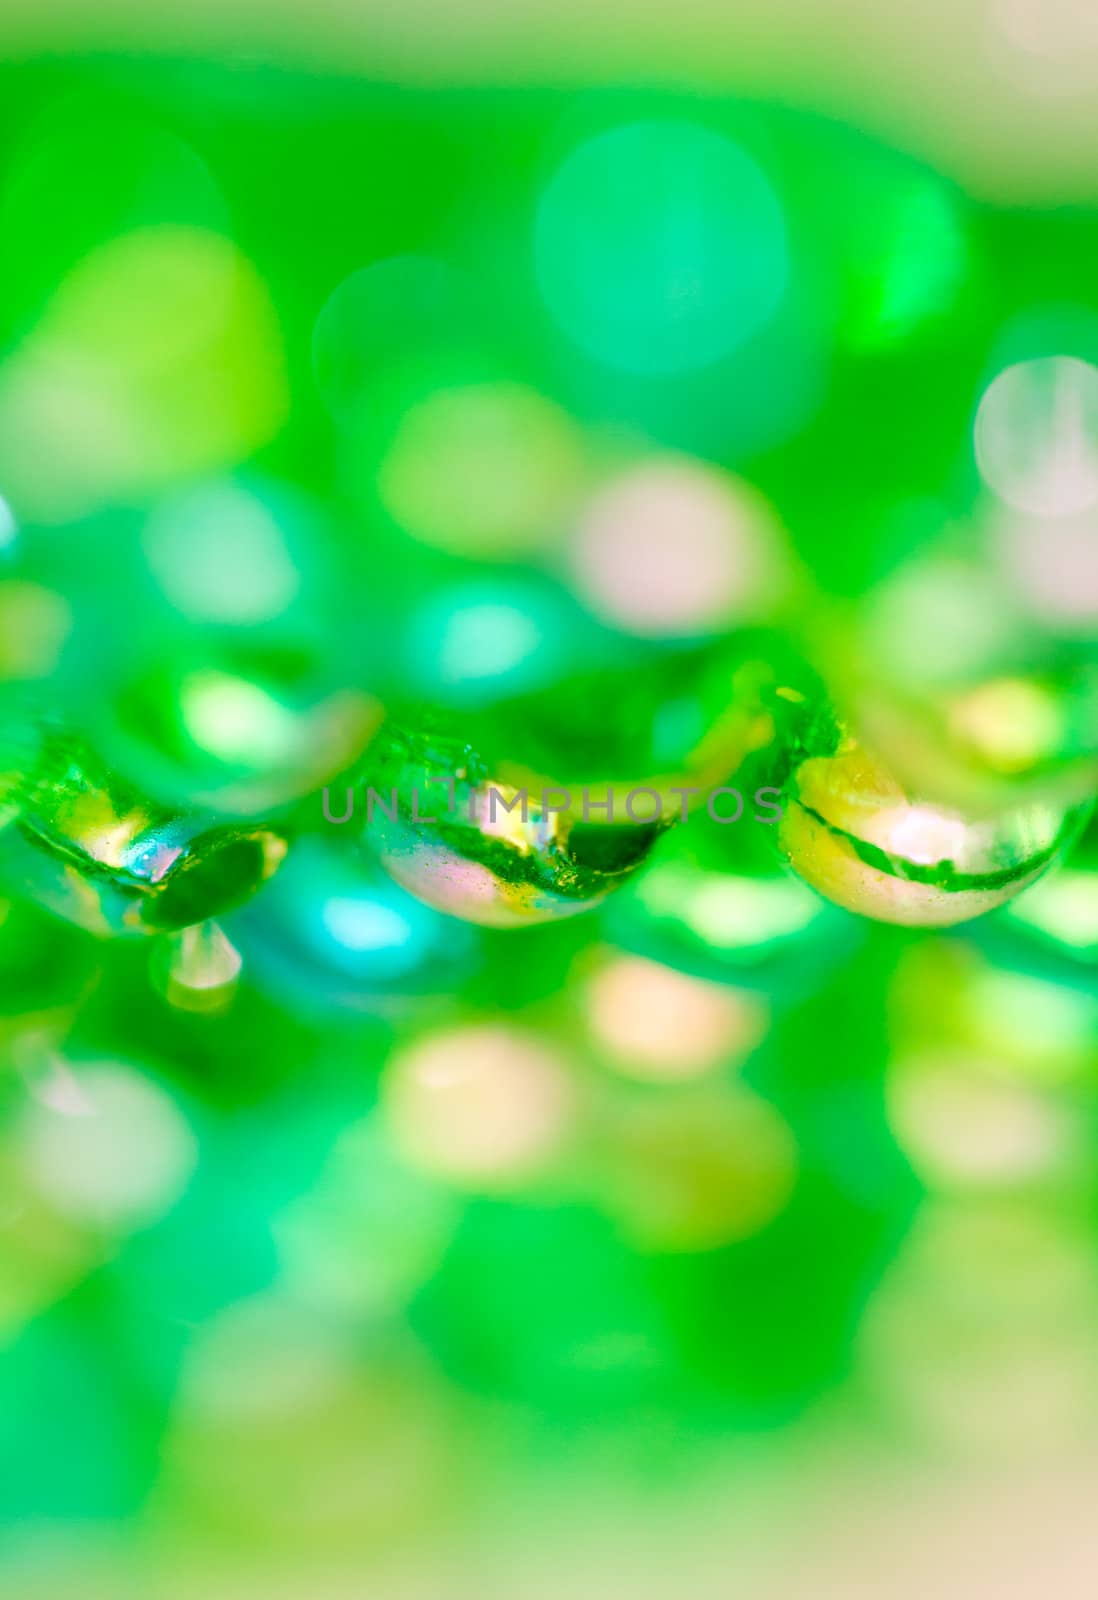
[669, 720]
[89, 848]
[961, 695]
[994, 743]
[217, 652]
[715, 899]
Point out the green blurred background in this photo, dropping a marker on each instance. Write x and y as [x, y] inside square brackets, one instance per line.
[520, 1208]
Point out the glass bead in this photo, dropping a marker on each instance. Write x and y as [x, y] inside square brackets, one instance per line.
[488, 851]
[672, 721]
[89, 848]
[196, 969]
[850, 830]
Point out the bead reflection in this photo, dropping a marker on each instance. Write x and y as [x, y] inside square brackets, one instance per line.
[658, 1025]
[196, 969]
[118, 1157]
[157, 357]
[485, 471]
[334, 932]
[725, 563]
[485, 1107]
[1037, 435]
[697, 1169]
[716, 902]
[948, 680]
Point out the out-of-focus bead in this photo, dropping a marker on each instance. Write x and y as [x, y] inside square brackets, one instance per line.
[716, 901]
[87, 847]
[334, 932]
[216, 653]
